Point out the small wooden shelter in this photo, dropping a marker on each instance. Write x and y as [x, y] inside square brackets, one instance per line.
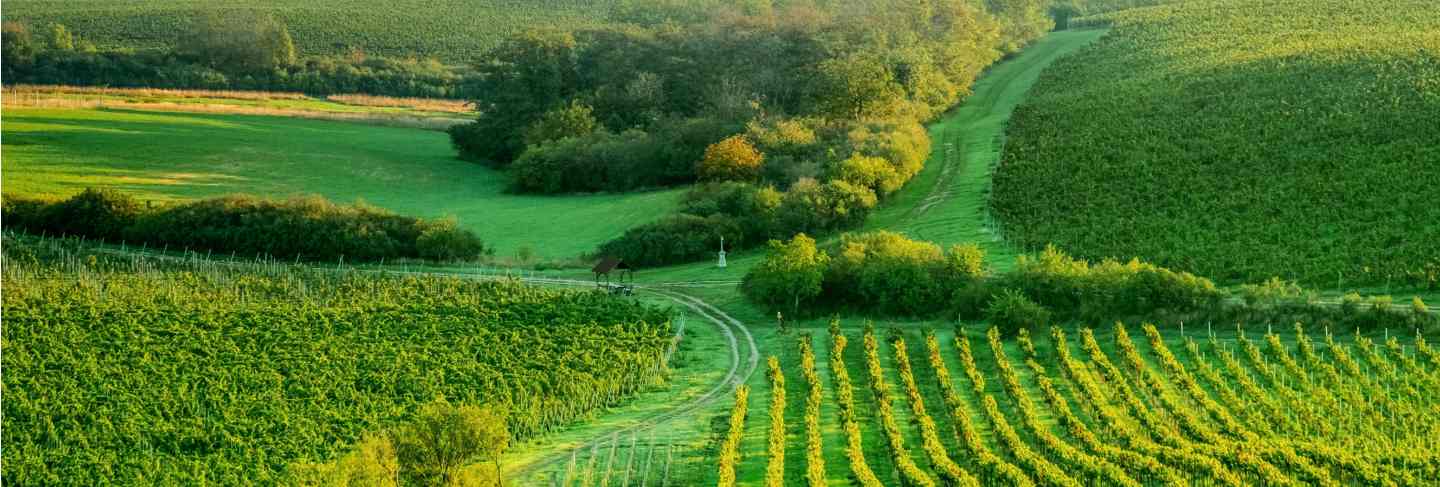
[624, 284]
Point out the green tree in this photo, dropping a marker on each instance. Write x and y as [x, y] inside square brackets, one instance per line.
[858, 87]
[60, 38]
[17, 49]
[792, 271]
[965, 262]
[574, 120]
[518, 81]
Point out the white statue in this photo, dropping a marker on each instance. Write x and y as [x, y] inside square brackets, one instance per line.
[721, 264]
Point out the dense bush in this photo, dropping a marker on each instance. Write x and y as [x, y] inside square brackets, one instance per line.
[603, 161]
[1076, 289]
[731, 159]
[881, 272]
[95, 213]
[885, 272]
[1011, 311]
[310, 229]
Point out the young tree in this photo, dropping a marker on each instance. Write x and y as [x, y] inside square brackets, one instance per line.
[60, 38]
[792, 271]
[732, 159]
[444, 438]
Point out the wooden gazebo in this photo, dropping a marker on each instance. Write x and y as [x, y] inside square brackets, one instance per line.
[625, 282]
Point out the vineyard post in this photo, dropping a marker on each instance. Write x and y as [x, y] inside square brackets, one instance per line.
[649, 455]
[665, 481]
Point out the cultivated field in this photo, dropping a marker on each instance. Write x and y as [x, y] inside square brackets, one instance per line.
[1295, 139]
[187, 371]
[452, 30]
[56, 152]
[902, 405]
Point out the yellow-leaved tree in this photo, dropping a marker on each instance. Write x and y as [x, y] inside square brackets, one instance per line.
[732, 159]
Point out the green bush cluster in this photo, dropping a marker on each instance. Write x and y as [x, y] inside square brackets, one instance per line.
[888, 274]
[308, 229]
[1076, 289]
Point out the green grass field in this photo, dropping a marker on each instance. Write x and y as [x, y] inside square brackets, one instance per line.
[170, 156]
[452, 30]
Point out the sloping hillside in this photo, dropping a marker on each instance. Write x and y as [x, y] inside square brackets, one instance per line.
[1240, 139]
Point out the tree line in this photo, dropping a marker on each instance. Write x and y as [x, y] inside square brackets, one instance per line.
[886, 274]
[232, 51]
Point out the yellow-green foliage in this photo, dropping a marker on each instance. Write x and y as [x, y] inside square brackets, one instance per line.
[732, 159]
[1240, 139]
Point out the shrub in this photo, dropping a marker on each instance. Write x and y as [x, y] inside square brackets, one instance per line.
[1011, 310]
[1271, 292]
[311, 229]
[870, 172]
[672, 240]
[444, 240]
[94, 213]
[732, 159]
[971, 301]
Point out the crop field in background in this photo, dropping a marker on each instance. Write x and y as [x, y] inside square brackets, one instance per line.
[1295, 139]
[455, 31]
[57, 152]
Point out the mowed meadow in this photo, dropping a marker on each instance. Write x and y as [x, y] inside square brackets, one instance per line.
[56, 152]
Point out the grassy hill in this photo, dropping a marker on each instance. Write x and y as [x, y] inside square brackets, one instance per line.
[168, 156]
[452, 30]
[1296, 139]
